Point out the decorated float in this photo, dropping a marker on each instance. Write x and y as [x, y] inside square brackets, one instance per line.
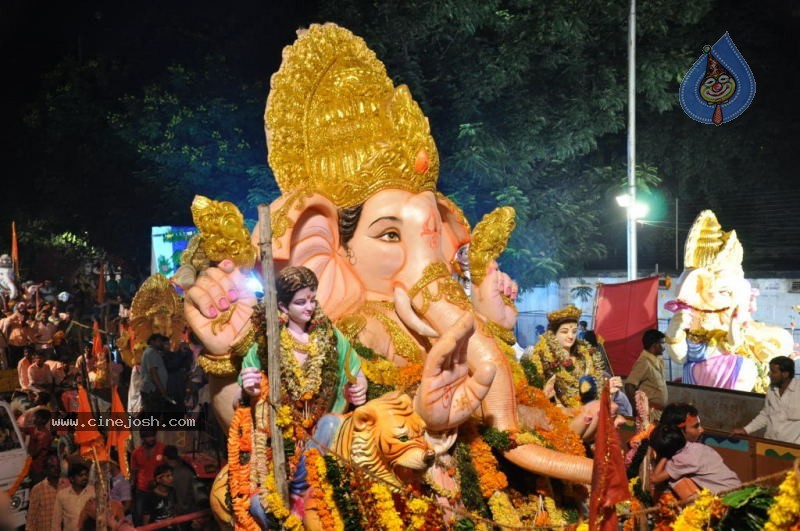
[450, 431]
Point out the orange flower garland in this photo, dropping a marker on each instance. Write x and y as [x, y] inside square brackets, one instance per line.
[561, 436]
[321, 499]
[240, 436]
[485, 465]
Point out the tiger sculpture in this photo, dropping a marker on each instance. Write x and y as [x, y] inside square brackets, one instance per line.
[380, 437]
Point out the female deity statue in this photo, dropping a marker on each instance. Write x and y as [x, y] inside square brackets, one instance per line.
[320, 372]
[574, 371]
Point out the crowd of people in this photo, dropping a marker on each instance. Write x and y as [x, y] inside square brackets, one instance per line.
[50, 343]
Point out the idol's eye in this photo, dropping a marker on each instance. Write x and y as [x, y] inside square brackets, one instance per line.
[403, 438]
[723, 78]
[710, 81]
[390, 235]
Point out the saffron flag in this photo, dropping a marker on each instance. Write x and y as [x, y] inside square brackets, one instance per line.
[87, 436]
[101, 285]
[97, 341]
[609, 482]
[622, 313]
[14, 249]
[118, 433]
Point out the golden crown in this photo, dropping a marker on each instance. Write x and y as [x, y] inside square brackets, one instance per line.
[569, 313]
[708, 246]
[337, 125]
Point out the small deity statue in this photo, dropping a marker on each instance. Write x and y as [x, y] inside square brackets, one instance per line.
[574, 371]
[320, 372]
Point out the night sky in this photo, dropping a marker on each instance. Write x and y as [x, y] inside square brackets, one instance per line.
[37, 35]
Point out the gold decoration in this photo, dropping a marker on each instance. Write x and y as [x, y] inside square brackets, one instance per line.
[336, 125]
[404, 345]
[223, 231]
[568, 313]
[221, 365]
[194, 256]
[709, 247]
[351, 325]
[503, 334]
[380, 371]
[280, 220]
[431, 273]
[448, 288]
[241, 347]
[156, 308]
[489, 240]
[222, 319]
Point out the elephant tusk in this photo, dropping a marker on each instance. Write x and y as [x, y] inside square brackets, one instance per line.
[402, 304]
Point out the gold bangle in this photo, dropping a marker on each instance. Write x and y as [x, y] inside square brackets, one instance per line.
[501, 333]
[217, 365]
[670, 341]
[241, 347]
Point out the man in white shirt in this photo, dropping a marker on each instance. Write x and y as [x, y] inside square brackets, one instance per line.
[70, 501]
[781, 412]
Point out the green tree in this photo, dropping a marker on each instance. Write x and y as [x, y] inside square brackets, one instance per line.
[522, 96]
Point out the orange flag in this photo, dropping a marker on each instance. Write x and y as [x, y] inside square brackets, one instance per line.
[609, 482]
[101, 285]
[119, 433]
[86, 435]
[97, 340]
[14, 249]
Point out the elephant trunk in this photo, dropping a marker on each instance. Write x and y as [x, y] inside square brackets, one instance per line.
[551, 463]
[441, 301]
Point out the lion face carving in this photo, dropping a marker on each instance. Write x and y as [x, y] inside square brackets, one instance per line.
[383, 434]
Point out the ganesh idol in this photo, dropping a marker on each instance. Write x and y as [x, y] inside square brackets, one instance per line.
[357, 168]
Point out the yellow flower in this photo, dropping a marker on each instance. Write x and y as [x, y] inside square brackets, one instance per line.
[503, 511]
[384, 506]
[785, 512]
[418, 508]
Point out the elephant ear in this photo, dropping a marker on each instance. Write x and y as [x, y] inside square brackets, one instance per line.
[455, 227]
[306, 233]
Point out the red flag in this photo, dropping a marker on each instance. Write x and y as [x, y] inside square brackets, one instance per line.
[119, 434]
[609, 482]
[101, 285]
[86, 435]
[622, 313]
[14, 249]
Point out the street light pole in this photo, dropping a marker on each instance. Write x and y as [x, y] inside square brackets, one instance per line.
[632, 140]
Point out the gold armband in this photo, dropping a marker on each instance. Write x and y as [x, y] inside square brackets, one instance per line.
[218, 364]
[240, 348]
[672, 341]
[501, 333]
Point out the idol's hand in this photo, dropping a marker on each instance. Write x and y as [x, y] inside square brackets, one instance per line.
[218, 306]
[494, 298]
[251, 381]
[356, 393]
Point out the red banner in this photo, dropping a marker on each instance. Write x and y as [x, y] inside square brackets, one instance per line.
[622, 313]
[609, 482]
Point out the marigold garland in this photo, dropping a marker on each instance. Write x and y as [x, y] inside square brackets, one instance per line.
[550, 359]
[491, 479]
[418, 508]
[699, 516]
[321, 492]
[503, 511]
[240, 436]
[785, 512]
[384, 506]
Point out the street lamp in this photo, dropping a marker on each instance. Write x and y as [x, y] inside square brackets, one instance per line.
[634, 210]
